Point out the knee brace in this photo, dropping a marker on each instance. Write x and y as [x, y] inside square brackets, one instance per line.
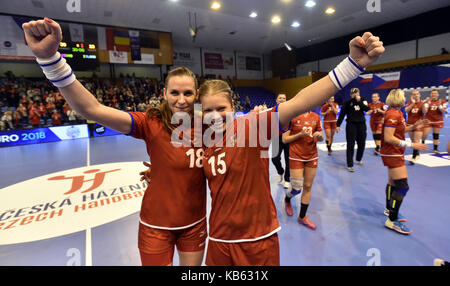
[297, 186]
[436, 136]
[377, 137]
[401, 187]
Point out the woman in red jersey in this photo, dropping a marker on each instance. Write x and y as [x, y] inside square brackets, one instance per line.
[377, 110]
[303, 161]
[434, 110]
[173, 209]
[243, 224]
[392, 153]
[329, 112]
[414, 110]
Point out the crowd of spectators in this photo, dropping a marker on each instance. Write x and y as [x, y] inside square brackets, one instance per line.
[34, 103]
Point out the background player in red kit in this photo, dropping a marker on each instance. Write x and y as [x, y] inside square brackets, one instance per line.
[329, 112]
[174, 206]
[434, 110]
[377, 110]
[392, 153]
[305, 132]
[414, 110]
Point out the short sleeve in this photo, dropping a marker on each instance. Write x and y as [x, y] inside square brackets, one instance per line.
[391, 120]
[138, 124]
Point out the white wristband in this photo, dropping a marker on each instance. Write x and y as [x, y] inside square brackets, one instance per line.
[57, 71]
[404, 143]
[347, 71]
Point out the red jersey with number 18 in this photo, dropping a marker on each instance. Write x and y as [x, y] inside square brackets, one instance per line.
[176, 195]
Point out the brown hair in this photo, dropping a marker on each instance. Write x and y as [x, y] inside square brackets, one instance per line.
[354, 90]
[163, 111]
[215, 86]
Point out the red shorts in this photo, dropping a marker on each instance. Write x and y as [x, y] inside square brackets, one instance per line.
[296, 165]
[157, 245]
[329, 125]
[376, 127]
[435, 125]
[264, 252]
[393, 162]
[415, 130]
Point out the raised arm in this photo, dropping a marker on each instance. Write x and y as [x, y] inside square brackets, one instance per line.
[364, 51]
[43, 38]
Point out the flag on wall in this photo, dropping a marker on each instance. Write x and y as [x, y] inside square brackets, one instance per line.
[386, 80]
[135, 45]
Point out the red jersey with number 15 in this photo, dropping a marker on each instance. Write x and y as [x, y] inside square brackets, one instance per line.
[242, 208]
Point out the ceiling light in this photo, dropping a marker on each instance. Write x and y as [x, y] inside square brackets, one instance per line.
[253, 15]
[310, 4]
[295, 24]
[216, 5]
[276, 19]
[330, 11]
[289, 48]
[173, 0]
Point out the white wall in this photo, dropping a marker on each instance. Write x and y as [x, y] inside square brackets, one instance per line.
[242, 72]
[26, 69]
[188, 57]
[429, 46]
[432, 46]
[150, 71]
[305, 68]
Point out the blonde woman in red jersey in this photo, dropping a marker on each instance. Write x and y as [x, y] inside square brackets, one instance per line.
[392, 153]
[434, 110]
[377, 110]
[414, 110]
[173, 211]
[329, 112]
[243, 224]
[305, 132]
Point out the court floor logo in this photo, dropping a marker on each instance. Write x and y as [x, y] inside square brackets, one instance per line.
[432, 160]
[69, 201]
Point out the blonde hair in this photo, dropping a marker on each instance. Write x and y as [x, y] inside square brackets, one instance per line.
[396, 98]
[163, 111]
[216, 86]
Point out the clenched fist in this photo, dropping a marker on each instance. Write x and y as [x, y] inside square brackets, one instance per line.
[43, 37]
[366, 50]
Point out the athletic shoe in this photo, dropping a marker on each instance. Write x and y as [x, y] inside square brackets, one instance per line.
[412, 161]
[399, 216]
[288, 208]
[397, 226]
[437, 152]
[287, 185]
[375, 152]
[305, 221]
[329, 152]
[351, 169]
[440, 262]
[360, 163]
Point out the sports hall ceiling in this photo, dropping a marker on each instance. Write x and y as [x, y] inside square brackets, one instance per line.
[256, 35]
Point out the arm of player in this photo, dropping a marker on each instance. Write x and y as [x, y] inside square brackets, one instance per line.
[390, 138]
[43, 38]
[288, 138]
[318, 135]
[409, 107]
[364, 50]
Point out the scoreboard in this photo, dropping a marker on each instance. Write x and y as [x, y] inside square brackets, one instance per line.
[80, 56]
